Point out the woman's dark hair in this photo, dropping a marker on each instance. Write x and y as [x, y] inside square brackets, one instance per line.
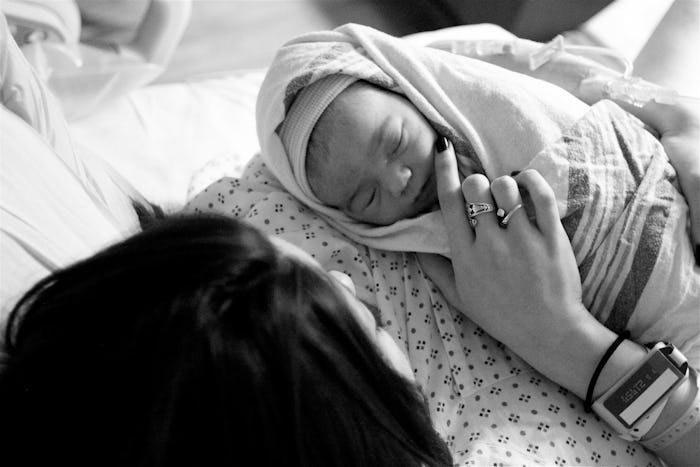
[196, 342]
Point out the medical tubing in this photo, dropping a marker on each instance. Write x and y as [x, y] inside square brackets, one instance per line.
[537, 58]
[638, 92]
[589, 49]
[545, 53]
[626, 88]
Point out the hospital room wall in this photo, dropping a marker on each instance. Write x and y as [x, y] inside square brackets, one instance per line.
[671, 57]
[226, 35]
[240, 34]
[234, 34]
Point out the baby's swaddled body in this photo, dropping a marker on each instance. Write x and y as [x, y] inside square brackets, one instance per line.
[628, 225]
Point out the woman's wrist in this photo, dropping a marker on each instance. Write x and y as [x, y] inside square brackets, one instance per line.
[583, 348]
[678, 402]
[579, 351]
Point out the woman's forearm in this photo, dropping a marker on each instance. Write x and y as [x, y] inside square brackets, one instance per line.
[586, 345]
[586, 79]
[570, 356]
[686, 449]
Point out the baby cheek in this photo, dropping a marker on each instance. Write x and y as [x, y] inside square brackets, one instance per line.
[466, 166]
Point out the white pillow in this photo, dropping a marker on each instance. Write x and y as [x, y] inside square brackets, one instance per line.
[48, 219]
[161, 137]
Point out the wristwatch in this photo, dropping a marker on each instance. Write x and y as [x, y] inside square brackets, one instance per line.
[633, 404]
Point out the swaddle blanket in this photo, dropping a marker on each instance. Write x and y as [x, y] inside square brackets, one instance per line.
[628, 225]
[615, 189]
[497, 118]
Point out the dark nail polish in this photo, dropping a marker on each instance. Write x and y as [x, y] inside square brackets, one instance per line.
[441, 144]
[514, 173]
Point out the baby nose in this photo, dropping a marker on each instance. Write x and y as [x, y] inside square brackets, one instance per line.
[396, 179]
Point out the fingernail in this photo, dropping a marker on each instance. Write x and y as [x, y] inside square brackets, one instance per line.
[441, 144]
[514, 173]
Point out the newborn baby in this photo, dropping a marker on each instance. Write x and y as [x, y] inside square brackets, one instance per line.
[348, 122]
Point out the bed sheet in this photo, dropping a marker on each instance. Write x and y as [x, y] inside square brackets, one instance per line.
[161, 137]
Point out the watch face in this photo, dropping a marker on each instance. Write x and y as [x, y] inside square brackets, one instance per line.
[638, 394]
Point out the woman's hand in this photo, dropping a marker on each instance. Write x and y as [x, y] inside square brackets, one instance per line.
[678, 126]
[680, 136]
[519, 283]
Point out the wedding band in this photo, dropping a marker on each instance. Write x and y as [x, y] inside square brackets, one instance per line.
[476, 209]
[508, 215]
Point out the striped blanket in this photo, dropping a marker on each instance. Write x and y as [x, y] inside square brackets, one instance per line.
[628, 226]
[616, 191]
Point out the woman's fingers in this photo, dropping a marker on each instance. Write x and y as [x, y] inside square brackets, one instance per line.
[477, 191]
[449, 191]
[542, 196]
[507, 196]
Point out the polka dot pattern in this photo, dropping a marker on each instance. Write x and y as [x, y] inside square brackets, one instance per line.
[489, 406]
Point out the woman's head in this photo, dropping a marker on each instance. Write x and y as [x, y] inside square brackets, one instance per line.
[199, 342]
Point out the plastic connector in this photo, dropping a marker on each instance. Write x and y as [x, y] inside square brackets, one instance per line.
[546, 52]
[482, 47]
[492, 47]
[637, 92]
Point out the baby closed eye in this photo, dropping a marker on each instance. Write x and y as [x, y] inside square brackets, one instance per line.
[371, 198]
[400, 140]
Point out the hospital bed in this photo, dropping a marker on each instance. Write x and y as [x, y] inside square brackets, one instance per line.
[67, 188]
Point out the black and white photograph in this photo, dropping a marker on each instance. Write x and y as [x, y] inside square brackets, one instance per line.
[353, 233]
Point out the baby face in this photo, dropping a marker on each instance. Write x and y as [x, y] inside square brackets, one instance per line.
[371, 156]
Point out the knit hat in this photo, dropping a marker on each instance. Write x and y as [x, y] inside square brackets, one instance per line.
[301, 120]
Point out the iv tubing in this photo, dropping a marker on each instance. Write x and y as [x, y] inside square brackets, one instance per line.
[589, 49]
[626, 88]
